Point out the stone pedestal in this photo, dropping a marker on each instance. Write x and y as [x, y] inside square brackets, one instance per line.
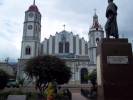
[115, 70]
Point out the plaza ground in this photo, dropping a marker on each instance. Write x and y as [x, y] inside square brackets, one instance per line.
[78, 96]
[76, 93]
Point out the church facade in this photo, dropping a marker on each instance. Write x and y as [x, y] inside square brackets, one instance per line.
[79, 54]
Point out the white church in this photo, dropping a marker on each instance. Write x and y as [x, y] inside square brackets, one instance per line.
[78, 53]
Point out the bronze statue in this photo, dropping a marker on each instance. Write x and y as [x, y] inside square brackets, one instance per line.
[111, 27]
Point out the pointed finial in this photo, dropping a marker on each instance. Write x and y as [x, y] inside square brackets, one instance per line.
[95, 10]
[64, 26]
[34, 2]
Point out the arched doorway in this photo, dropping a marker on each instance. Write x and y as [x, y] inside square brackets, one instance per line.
[83, 74]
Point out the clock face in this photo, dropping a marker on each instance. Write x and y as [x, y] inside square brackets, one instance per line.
[29, 27]
[31, 15]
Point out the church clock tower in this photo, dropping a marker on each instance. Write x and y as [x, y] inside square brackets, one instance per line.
[30, 46]
[31, 33]
[95, 34]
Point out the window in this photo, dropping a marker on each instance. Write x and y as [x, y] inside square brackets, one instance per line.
[86, 49]
[60, 47]
[28, 50]
[66, 47]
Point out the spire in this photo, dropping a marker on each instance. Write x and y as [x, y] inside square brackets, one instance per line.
[95, 14]
[64, 26]
[95, 10]
[95, 20]
[34, 2]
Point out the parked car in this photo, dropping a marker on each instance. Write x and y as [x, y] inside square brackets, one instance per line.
[12, 83]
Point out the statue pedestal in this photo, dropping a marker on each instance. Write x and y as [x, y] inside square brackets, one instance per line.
[114, 70]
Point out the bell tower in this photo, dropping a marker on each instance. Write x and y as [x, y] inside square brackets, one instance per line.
[30, 46]
[95, 34]
[31, 33]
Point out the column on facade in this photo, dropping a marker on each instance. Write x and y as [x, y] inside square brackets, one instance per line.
[77, 45]
[50, 45]
[71, 43]
[94, 55]
[77, 72]
[38, 50]
[53, 45]
[56, 43]
[44, 43]
[91, 45]
[83, 46]
[86, 48]
[72, 70]
[80, 46]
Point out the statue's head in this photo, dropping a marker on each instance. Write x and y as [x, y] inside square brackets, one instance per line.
[110, 1]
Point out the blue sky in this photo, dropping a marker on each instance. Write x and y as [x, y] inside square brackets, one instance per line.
[76, 14]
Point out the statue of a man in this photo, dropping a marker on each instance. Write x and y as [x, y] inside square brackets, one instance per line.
[111, 27]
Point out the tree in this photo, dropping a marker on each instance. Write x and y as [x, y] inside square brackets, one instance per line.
[21, 81]
[3, 79]
[46, 69]
[93, 77]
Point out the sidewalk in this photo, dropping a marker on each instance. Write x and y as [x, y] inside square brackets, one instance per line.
[77, 96]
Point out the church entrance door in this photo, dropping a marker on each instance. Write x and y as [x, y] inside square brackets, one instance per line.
[83, 74]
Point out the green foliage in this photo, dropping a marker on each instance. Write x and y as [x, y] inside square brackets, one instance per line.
[93, 77]
[86, 77]
[47, 69]
[21, 81]
[3, 79]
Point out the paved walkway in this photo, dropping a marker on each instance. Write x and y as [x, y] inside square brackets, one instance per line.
[16, 97]
[77, 96]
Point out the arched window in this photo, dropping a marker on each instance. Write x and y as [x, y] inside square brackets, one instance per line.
[66, 47]
[60, 47]
[83, 74]
[86, 49]
[28, 50]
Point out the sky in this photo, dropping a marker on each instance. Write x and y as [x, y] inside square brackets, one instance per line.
[75, 14]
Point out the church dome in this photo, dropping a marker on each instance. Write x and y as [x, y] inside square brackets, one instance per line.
[33, 8]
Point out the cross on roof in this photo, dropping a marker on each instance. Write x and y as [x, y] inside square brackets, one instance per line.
[95, 10]
[64, 26]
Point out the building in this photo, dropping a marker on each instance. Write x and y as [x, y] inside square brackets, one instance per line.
[78, 53]
[9, 68]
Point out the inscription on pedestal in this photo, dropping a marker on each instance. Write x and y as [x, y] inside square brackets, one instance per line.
[117, 60]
